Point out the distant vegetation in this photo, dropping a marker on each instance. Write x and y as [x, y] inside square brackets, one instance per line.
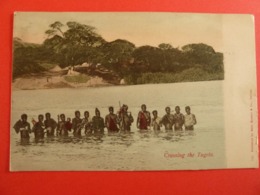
[80, 43]
[189, 75]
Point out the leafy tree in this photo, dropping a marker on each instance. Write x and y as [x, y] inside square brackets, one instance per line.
[74, 46]
[204, 56]
[165, 46]
[24, 62]
[55, 29]
[148, 58]
[117, 55]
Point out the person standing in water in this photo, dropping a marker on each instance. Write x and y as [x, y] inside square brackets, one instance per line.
[76, 124]
[125, 119]
[111, 121]
[98, 124]
[189, 119]
[39, 128]
[68, 124]
[86, 123]
[143, 119]
[156, 121]
[178, 119]
[23, 127]
[50, 125]
[168, 119]
[62, 127]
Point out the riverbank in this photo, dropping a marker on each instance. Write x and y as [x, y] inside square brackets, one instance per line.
[87, 77]
[50, 82]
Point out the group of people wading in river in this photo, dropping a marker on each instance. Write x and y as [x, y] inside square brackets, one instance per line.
[120, 122]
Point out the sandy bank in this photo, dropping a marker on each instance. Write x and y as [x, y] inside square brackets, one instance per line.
[50, 82]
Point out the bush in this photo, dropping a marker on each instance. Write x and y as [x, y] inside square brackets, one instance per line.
[189, 75]
[25, 66]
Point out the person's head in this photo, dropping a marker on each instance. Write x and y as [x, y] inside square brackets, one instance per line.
[168, 110]
[97, 112]
[86, 114]
[24, 117]
[47, 116]
[62, 117]
[187, 109]
[111, 110]
[40, 117]
[124, 108]
[77, 114]
[143, 107]
[177, 109]
[68, 119]
[155, 113]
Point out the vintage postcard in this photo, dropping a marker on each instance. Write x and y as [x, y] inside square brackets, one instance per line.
[133, 91]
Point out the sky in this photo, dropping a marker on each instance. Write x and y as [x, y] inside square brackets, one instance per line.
[140, 28]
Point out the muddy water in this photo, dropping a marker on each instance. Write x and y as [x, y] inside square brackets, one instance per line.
[201, 149]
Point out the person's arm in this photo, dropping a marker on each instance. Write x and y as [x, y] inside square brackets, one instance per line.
[194, 119]
[103, 123]
[160, 122]
[149, 119]
[90, 123]
[107, 121]
[182, 119]
[94, 126]
[138, 120]
[45, 123]
[55, 124]
[34, 127]
[74, 125]
[29, 128]
[117, 119]
[131, 118]
[17, 127]
[58, 129]
[172, 119]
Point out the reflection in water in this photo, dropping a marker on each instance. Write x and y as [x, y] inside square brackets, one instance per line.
[117, 151]
[126, 138]
[24, 141]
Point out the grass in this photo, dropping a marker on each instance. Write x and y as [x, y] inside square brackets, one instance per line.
[81, 78]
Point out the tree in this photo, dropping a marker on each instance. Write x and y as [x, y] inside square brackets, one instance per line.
[148, 58]
[204, 56]
[165, 46]
[117, 55]
[198, 48]
[84, 35]
[55, 29]
[24, 61]
[75, 45]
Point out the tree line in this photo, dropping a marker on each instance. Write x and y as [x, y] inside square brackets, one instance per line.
[75, 43]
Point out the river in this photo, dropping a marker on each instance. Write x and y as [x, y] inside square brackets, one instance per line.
[204, 148]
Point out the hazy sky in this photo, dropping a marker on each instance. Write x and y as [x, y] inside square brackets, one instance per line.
[139, 28]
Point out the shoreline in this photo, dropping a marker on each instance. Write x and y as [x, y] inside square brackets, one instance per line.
[55, 82]
[92, 83]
